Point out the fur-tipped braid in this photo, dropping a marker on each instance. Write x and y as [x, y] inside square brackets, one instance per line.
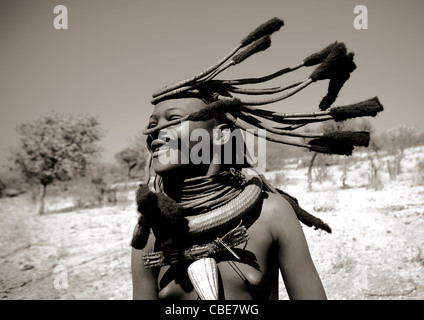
[141, 234]
[146, 201]
[355, 138]
[347, 66]
[318, 57]
[171, 223]
[337, 62]
[161, 214]
[257, 46]
[323, 146]
[341, 142]
[334, 87]
[365, 108]
[216, 110]
[304, 216]
[264, 29]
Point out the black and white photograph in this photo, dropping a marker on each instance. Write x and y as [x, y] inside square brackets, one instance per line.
[234, 150]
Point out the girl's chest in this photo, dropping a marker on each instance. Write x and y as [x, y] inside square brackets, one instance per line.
[253, 276]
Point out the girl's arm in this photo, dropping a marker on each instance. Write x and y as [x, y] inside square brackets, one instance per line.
[297, 268]
[144, 280]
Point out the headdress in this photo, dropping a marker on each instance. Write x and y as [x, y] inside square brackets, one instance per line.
[239, 103]
[241, 106]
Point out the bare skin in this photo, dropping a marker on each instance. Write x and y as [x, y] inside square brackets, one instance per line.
[276, 244]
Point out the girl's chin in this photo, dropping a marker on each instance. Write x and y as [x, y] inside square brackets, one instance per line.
[178, 170]
[162, 167]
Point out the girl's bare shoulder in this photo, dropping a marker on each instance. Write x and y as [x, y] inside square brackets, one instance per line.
[276, 206]
[278, 213]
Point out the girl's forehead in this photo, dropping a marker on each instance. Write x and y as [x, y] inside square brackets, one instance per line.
[186, 105]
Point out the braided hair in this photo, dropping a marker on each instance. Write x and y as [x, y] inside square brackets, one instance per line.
[240, 106]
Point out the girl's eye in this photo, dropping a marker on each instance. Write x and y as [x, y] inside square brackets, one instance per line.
[175, 117]
[151, 125]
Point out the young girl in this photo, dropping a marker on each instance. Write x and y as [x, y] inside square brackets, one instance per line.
[212, 229]
[276, 241]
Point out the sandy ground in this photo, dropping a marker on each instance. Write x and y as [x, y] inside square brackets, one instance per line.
[374, 252]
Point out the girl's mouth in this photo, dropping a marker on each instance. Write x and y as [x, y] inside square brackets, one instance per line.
[158, 150]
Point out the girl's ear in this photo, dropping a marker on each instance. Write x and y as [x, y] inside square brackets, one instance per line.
[221, 134]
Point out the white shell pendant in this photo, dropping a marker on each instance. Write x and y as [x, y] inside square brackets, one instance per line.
[203, 274]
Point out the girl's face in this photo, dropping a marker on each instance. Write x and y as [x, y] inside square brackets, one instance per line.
[170, 147]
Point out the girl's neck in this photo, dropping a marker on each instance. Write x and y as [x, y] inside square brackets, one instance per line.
[174, 183]
[203, 193]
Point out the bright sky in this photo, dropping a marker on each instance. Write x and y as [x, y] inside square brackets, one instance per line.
[115, 54]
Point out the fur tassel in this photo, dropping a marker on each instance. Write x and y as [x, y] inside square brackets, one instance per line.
[264, 29]
[358, 138]
[334, 87]
[323, 146]
[304, 216]
[141, 234]
[318, 57]
[216, 110]
[144, 199]
[341, 142]
[365, 108]
[257, 46]
[159, 213]
[337, 62]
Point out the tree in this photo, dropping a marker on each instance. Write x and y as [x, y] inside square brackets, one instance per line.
[333, 126]
[397, 140]
[128, 157]
[321, 165]
[133, 157]
[56, 147]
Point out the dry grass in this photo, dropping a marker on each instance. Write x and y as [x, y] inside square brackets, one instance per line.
[375, 249]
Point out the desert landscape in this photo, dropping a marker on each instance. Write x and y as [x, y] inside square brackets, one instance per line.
[375, 250]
